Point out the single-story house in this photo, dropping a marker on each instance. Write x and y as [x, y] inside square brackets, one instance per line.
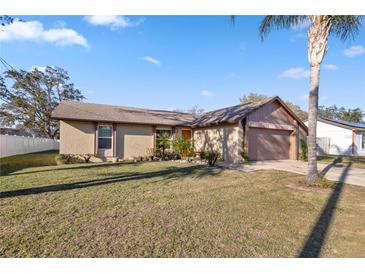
[265, 130]
[340, 137]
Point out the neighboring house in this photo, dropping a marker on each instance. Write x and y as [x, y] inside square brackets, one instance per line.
[343, 138]
[266, 130]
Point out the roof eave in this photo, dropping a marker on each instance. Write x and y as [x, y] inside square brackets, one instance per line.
[334, 123]
[118, 122]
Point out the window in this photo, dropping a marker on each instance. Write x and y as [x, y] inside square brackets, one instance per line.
[363, 141]
[105, 137]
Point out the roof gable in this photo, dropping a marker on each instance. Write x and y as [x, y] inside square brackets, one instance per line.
[225, 115]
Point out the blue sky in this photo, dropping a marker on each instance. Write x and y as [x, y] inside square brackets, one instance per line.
[169, 62]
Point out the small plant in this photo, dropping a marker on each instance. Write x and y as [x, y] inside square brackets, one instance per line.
[244, 155]
[62, 159]
[211, 156]
[86, 157]
[150, 154]
[203, 154]
[76, 159]
[304, 150]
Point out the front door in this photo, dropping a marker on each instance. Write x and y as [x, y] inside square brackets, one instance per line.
[105, 140]
[186, 134]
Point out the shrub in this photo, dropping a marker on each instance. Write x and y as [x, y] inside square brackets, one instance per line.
[244, 155]
[86, 157]
[211, 156]
[203, 154]
[304, 150]
[150, 154]
[170, 155]
[76, 159]
[183, 147]
[62, 159]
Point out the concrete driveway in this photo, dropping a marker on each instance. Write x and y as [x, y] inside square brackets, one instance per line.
[336, 172]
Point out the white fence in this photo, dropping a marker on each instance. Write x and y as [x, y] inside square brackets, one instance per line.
[12, 145]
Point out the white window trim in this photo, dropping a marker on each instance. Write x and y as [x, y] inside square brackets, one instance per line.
[102, 137]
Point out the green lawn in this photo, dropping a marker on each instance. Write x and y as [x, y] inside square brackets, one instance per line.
[17, 162]
[356, 161]
[164, 209]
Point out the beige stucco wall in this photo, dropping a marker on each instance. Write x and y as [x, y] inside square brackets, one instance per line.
[225, 139]
[133, 140]
[77, 137]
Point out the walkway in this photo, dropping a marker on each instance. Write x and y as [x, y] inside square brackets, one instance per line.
[355, 176]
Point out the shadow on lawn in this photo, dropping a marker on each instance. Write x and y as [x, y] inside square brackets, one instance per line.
[313, 245]
[71, 167]
[331, 165]
[166, 174]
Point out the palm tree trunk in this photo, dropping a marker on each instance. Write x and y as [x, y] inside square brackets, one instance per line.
[312, 124]
[317, 48]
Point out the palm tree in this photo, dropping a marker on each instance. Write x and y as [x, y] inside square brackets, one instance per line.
[320, 28]
[163, 141]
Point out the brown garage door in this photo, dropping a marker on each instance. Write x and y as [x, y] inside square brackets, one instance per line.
[268, 144]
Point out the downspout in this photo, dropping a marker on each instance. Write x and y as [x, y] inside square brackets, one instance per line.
[96, 139]
[154, 139]
[114, 140]
[243, 145]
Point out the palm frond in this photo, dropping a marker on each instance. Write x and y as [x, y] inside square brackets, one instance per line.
[346, 26]
[271, 22]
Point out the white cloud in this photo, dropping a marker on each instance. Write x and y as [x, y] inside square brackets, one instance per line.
[207, 93]
[230, 76]
[330, 67]
[295, 73]
[151, 60]
[354, 51]
[60, 24]
[34, 31]
[64, 37]
[113, 21]
[302, 25]
[297, 36]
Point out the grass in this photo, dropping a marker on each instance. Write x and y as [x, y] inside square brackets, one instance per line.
[17, 162]
[164, 209]
[356, 161]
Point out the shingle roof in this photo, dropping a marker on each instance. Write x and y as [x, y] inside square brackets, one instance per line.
[70, 110]
[344, 123]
